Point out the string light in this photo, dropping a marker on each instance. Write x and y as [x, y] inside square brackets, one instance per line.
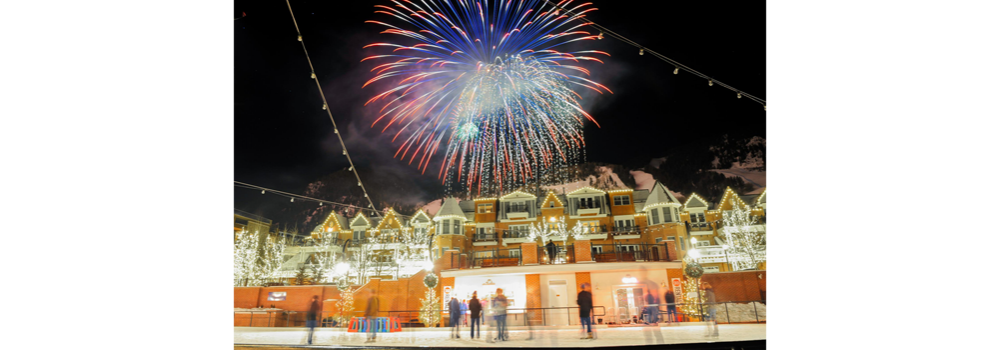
[324, 106]
[676, 69]
[739, 95]
[345, 151]
[641, 51]
[300, 38]
[709, 83]
[335, 131]
[261, 191]
[293, 200]
[351, 168]
[312, 75]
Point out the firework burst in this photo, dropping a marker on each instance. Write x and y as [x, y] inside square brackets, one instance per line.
[487, 80]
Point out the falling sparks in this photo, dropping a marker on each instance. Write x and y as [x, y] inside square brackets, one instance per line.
[485, 80]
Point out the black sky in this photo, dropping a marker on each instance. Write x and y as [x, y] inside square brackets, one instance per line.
[284, 140]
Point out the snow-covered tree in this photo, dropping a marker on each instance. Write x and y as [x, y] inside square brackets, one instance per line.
[745, 244]
[255, 259]
[345, 307]
[430, 308]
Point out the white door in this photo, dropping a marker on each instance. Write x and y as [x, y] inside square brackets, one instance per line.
[558, 299]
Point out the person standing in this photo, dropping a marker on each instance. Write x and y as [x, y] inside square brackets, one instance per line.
[455, 314]
[713, 325]
[371, 314]
[552, 250]
[475, 312]
[668, 298]
[311, 316]
[586, 302]
[465, 311]
[500, 309]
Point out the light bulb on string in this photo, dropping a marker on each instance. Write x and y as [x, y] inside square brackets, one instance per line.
[676, 69]
[293, 200]
[709, 83]
[345, 152]
[335, 131]
[351, 168]
[324, 106]
[359, 183]
[739, 95]
[600, 36]
[300, 38]
[261, 191]
[312, 75]
[641, 51]
[765, 107]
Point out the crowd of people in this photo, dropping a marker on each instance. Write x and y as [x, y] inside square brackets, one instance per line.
[475, 313]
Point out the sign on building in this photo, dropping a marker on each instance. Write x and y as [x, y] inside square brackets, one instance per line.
[276, 296]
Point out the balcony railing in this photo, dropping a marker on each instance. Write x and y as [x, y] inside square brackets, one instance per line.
[629, 252]
[516, 233]
[626, 230]
[484, 237]
[700, 226]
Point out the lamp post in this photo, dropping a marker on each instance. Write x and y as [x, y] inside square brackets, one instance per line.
[694, 254]
[725, 250]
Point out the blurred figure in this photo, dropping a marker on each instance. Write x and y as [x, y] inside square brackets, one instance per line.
[455, 313]
[552, 250]
[651, 312]
[311, 316]
[500, 314]
[586, 302]
[489, 320]
[713, 326]
[668, 299]
[475, 312]
[465, 311]
[371, 313]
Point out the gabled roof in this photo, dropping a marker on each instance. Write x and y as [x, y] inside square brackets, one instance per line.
[360, 220]
[728, 196]
[517, 195]
[552, 198]
[335, 221]
[586, 190]
[660, 196]
[695, 201]
[420, 217]
[450, 209]
[390, 220]
[761, 199]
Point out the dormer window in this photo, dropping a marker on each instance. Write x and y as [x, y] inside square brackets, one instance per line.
[622, 200]
[486, 208]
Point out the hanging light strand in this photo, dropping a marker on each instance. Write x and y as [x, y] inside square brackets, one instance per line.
[293, 196]
[642, 49]
[329, 113]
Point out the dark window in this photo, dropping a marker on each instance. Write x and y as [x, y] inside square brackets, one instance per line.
[622, 200]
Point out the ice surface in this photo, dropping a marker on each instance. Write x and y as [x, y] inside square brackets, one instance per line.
[564, 338]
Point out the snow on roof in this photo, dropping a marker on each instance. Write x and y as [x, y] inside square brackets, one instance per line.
[450, 208]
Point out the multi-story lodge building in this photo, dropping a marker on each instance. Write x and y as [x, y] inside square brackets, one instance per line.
[631, 239]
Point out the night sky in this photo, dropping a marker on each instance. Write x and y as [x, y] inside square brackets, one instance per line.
[284, 140]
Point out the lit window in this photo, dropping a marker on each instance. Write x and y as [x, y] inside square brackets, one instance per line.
[486, 208]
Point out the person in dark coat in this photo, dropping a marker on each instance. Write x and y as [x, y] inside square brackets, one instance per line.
[312, 315]
[586, 302]
[475, 312]
[552, 250]
[455, 313]
[668, 298]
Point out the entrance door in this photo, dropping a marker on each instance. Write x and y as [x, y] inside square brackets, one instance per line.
[629, 303]
[559, 299]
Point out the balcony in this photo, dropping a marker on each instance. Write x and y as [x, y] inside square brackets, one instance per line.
[484, 239]
[562, 254]
[700, 228]
[516, 236]
[594, 233]
[626, 232]
[628, 252]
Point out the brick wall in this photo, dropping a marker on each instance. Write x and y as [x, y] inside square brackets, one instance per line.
[672, 250]
[533, 291]
[738, 286]
[581, 278]
[529, 253]
[582, 250]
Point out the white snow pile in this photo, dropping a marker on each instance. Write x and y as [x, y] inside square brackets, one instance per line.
[740, 312]
[607, 180]
[433, 207]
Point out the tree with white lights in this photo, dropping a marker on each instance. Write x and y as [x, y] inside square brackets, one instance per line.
[254, 259]
[344, 307]
[744, 244]
[326, 255]
[430, 309]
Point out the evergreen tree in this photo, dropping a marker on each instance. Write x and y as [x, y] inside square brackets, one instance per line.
[300, 277]
[317, 274]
